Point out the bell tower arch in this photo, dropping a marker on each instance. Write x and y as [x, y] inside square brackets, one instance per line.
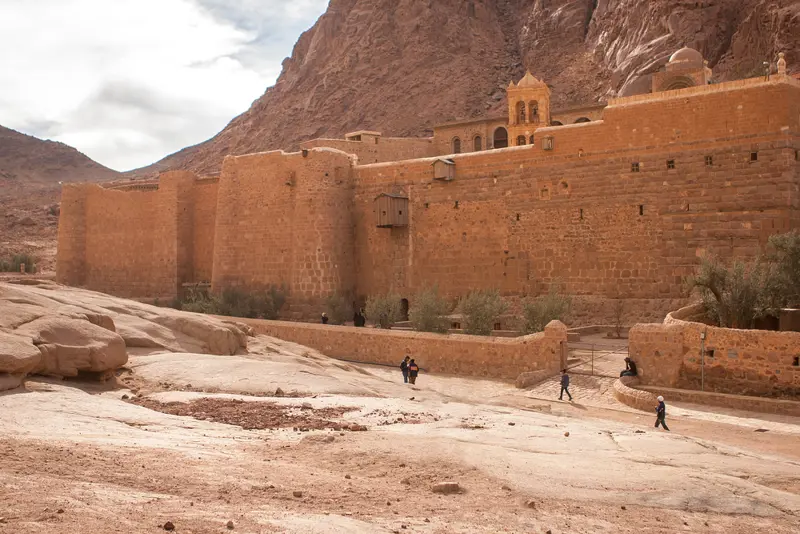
[528, 107]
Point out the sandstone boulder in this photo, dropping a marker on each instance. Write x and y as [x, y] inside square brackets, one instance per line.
[8, 381]
[18, 354]
[70, 345]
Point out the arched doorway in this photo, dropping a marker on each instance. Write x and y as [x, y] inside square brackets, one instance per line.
[477, 143]
[500, 138]
[404, 309]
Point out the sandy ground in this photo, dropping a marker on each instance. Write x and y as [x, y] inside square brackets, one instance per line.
[79, 458]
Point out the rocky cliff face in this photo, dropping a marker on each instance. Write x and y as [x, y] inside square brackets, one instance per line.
[401, 66]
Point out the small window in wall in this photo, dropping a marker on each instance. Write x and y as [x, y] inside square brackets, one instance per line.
[709, 161]
[581, 214]
[521, 140]
[548, 143]
[477, 143]
[670, 163]
[544, 194]
[498, 326]
[520, 112]
[753, 156]
[635, 167]
[641, 209]
[796, 361]
[456, 146]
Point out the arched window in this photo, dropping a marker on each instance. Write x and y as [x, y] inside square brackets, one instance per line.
[477, 143]
[532, 140]
[534, 107]
[520, 112]
[583, 119]
[521, 140]
[456, 145]
[500, 138]
[556, 123]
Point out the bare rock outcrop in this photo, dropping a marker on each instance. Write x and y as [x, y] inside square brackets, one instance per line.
[59, 331]
[69, 346]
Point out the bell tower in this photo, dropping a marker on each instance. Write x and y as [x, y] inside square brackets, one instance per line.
[528, 109]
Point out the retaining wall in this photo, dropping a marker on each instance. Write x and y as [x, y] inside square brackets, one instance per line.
[489, 357]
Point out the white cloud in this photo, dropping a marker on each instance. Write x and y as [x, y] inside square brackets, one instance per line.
[130, 81]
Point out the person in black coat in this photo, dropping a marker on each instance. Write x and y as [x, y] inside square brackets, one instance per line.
[413, 371]
[564, 385]
[661, 414]
[404, 369]
[630, 368]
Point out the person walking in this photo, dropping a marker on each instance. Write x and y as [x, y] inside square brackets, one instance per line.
[413, 371]
[324, 318]
[564, 385]
[661, 414]
[404, 369]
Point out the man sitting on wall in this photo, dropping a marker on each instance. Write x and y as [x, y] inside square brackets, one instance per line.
[630, 368]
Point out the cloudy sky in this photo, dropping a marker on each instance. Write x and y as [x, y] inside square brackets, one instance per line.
[129, 81]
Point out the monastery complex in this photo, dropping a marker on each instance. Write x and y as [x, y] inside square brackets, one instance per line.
[611, 201]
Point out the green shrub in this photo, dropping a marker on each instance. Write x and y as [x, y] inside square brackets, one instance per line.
[785, 257]
[428, 311]
[340, 309]
[257, 304]
[736, 296]
[13, 264]
[545, 308]
[481, 310]
[234, 302]
[383, 310]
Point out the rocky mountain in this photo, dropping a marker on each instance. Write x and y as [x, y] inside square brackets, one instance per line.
[401, 66]
[30, 170]
[28, 165]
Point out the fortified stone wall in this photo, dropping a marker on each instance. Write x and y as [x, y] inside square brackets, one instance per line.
[454, 354]
[376, 149]
[744, 362]
[136, 243]
[205, 220]
[619, 208]
[286, 220]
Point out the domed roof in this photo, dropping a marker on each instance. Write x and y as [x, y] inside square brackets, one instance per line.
[687, 55]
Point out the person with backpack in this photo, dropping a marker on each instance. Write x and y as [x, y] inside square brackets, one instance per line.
[404, 369]
[413, 371]
[564, 385]
[661, 414]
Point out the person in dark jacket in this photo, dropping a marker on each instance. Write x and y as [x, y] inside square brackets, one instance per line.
[630, 368]
[404, 369]
[661, 414]
[413, 371]
[324, 318]
[564, 385]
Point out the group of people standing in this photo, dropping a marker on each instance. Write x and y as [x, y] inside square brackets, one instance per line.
[359, 319]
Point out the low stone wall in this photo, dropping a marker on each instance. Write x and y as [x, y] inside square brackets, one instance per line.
[739, 402]
[742, 362]
[625, 392]
[490, 357]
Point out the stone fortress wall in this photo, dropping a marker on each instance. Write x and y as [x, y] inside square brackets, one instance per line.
[614, 208]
